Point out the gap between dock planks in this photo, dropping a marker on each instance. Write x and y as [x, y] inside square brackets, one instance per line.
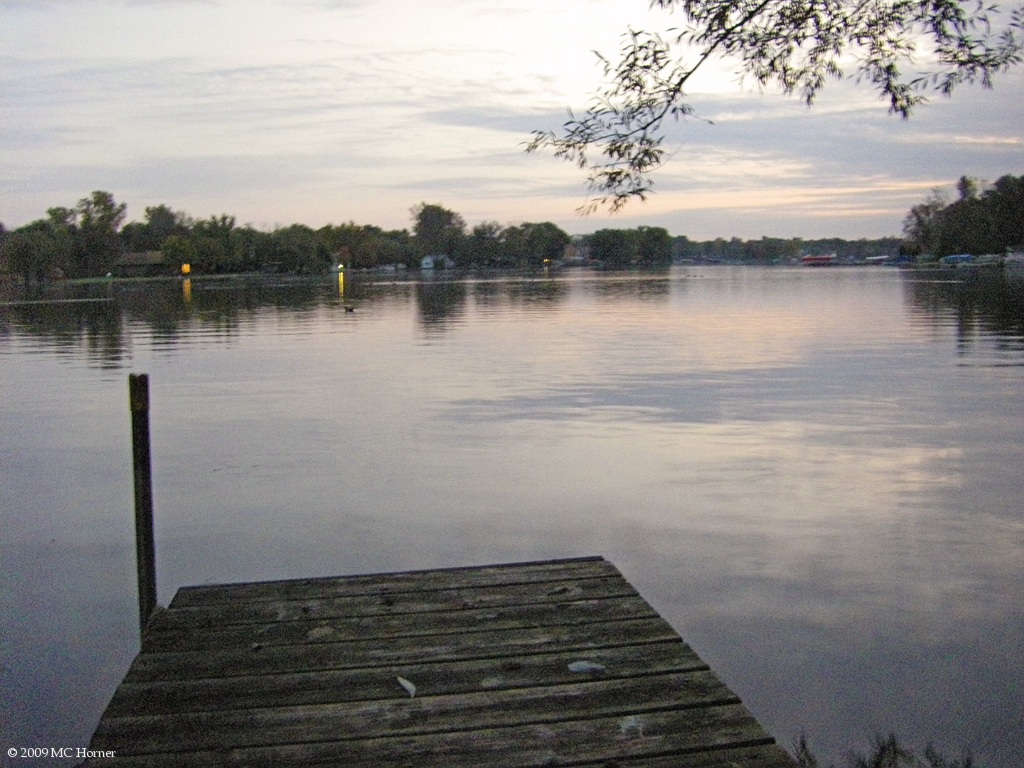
[317, 672]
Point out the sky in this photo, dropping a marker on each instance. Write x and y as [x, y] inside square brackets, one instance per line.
[330, 111]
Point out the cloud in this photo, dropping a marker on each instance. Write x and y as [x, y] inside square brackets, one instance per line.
[496, 119]
[302, 99]
[336, 5]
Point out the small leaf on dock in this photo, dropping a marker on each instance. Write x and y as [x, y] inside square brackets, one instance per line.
[407, 685]
[632, 725]
[319, 633]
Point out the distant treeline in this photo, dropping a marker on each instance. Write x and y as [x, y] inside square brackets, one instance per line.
[774, 250]
[978, 222]
[92, 239]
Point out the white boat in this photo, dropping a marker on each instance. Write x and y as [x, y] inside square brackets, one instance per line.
[957, 260]
[1013, 264]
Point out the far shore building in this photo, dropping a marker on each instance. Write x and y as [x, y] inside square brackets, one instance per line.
[143, 264]
[576, 252]
[437, 261]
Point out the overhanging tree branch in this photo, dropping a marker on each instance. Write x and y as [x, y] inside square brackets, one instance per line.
[797, 45]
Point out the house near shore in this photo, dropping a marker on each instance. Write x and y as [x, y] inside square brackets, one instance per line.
[142, 264]
[576, 253]
[437, 261]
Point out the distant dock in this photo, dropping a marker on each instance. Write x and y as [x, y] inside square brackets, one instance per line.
[532, 664]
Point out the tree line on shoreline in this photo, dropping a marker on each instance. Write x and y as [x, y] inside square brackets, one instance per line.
[93, 238]
[980, 221]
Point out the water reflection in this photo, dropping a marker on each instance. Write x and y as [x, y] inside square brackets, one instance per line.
[985, 306]
[93, 326]
[654, 284]
[440, 304]
[986, 309]
[93, 317]
[797, 467]
[493, 295]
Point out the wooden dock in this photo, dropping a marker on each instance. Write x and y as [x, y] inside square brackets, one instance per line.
[532, 664]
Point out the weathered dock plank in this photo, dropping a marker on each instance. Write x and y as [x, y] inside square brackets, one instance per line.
[423, 714]
[385, 602]
[535, 664]
[500, 643]
[576, 570]
[167, 635]
[286, 689]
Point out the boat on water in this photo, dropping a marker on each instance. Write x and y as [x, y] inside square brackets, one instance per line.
[956, 260]
[966, 261]
[1013, 264]
[818, 261]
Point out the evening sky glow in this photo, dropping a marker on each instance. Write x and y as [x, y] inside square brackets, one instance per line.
[328, 111]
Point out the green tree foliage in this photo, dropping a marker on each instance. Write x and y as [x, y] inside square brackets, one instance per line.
[545, 243]
[297, 249]
[98, 218]
[252, 248]
[30, 252]
[135, 238]
[797, 45]
[387, 248]
[532, 245]
[621, 248]
[86, 238]
[528, 245]
[218, 245]
[62, 227]
[1006, 207]
[774, 250]
[366, 246]
[39, 250]
[214, 243]
[78, 242]
[161, 223]
[614, 248]
[179, 249]
[921, 224]
[654, 246]
[967, 227]
[437, 230]
[989, 222]
[487, 246]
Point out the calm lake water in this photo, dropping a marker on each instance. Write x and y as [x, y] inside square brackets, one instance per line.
[814, 475]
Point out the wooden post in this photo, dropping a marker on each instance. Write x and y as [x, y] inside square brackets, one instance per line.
[145, 549]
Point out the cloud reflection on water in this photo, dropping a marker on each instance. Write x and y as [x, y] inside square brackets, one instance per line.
[790, 465]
